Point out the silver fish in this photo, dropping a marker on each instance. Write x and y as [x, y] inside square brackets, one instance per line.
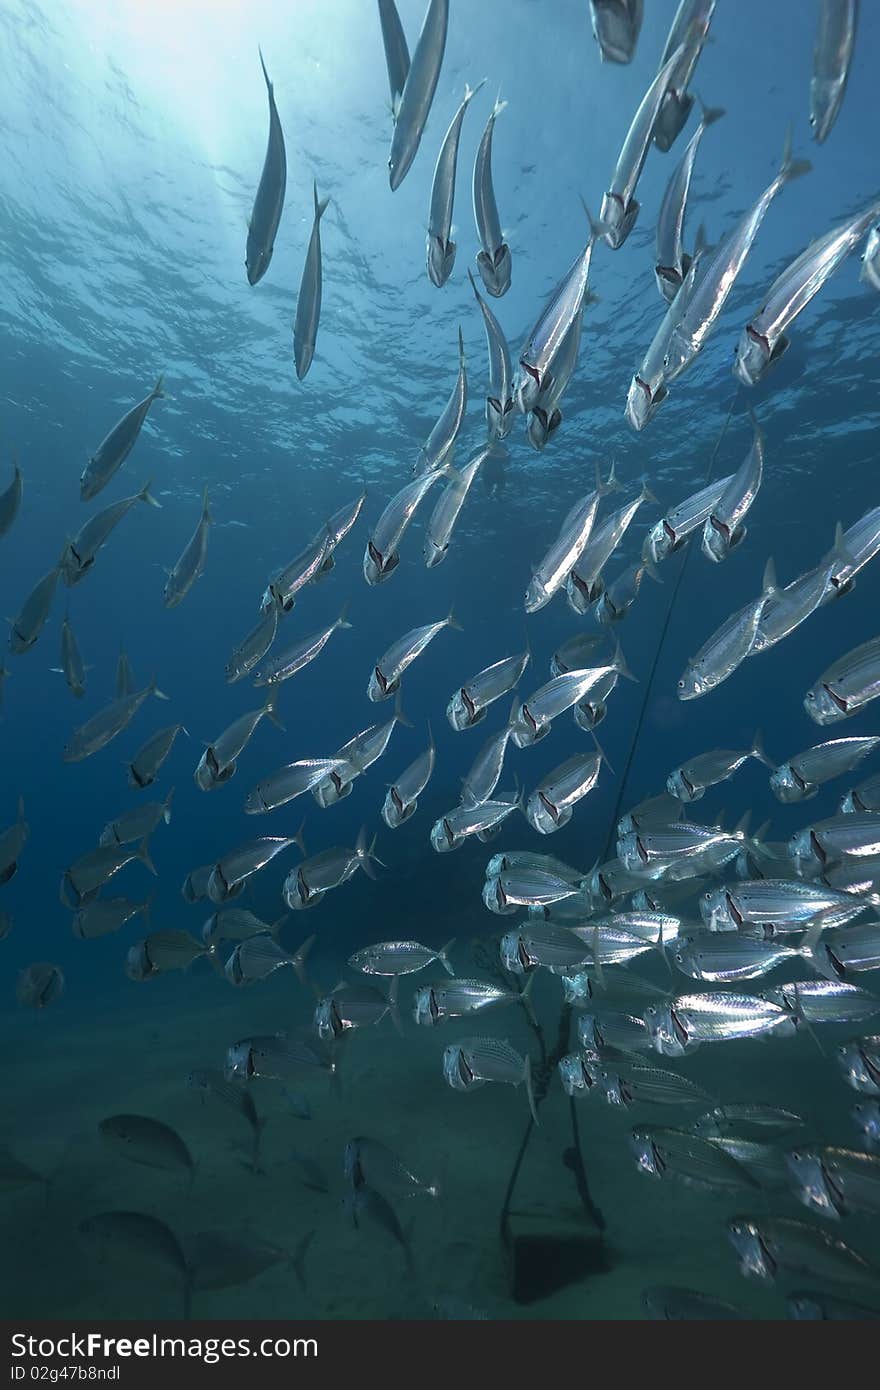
[620, 595]
[747, 1120]
[462, 821]
[485, 771]
[832, 55]
[382, 556]
[776, 906]
[106, 915]
[692, 779]
[225, 1259]
[494, 260]
[576, 653]
[611, 1029]
[673, 261]
[866, 1115]
[565, 552]
[470, 702]
[664, 809]
[537, 944]
[400, 958]
[535, 714]
[437, 452]
[402, 797]
[247, 859]
[368, 1161]
[365, 1201]
[269, 199]
[619, 209]
[719, 270]
[767, 1246]
[115, 448]
[616, 25]
[72, 666]
[648, 388]
[728, 957]
[438, 533]
[87, 874]
[191, 564]
[825, 1001]
[353, 1006]
[472, 1062]
[355, 756]
[871, 259]
[846, 686]
[729, 645]
[418, 91]
[864, 797]
[723, 529]
[552, 326]
[455, 998]
[550, 805]
[836, 1182]
[828, 841]
[308, 884]
[499, 401]
[800, 777]
[218, 762]
[546, 416]
[765, 338]
[237, 924]
[134, 1233]
[138, 823]
[255, 645]
[441, 247]
[791, 606]
[275, 1056]
[673, 529]
[629, 1084]
[690, 26]
[396, 51]
[39, 985]
[26, 628]
[141, 1139]
[147, 762]
[859, 1061]
[258, 956]
[826, 1307]
[284, 586]
[290, 781]
[288, 663]
[859, 545]
[10, 499]
[98, 731]
[662, 1153]
[385, 677]
[162, 951]
[80, 553]
[195, 886]
[308, 303]
[6, 924]
[691, 1019]
[583, 584]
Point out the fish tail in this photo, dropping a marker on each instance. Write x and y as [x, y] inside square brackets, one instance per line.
[399, 716]
[206, 513]
[443, 957]
[757, 750]
[298, 838]
[620, 666]
[342, 620]
[270, 708]
[146, 496]
[452, 621]
[530, 1094]
[460, 348]
[474, 286]
[710, 114]
[154, 690]
[298, 960]
[321, 205]
[471, 92]
[145, 857]
[265, 74]
[275, 928]
[498, 107]
[525, 998]
[769, 583]
[158, 389]
[791, 168]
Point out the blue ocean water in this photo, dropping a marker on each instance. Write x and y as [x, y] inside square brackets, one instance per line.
[131, 143]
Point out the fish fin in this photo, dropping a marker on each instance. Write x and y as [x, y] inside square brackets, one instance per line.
[154, 690]
[300, 955]
[498, 107]
[275, 927]
[399, 716]
[601, 751]
[710, 114]
[146, 496]
[270, 708]
[620, 666]
[530, 1094]
[810, 947]
[452, 621]
[206, 514]
[474, 286]
[757, 750]
[393, 1005]
[802, 1018]
[525, 996]
[321, 205]
[769, 584]
[298, 1257]
[341, 621]
[144, 855]
[372, 855]
[471, 92]
[443, 957]
[158, 389]
[597, 229]
[298, 838]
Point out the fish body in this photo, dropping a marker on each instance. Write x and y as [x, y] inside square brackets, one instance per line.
[723, 529]
[219, 760]
[437, 452]
[444, 517]
[284, 586]
[269, 199]
[105, 915]
[616, 26]
[115, 448]
[307, 885]
[470, 702]
[672, 530]
[494, 260]
[80, 553]
[846, 686]
[550, 805]
[859, 1062]
[26, 628]
[396, 51]
[87, 875]
[418, 91]
[134, 1233]
[776, 906]
[191, 564]
[692, 779]
[858, 545]
[12, 842]
[385, 678]
[728, 646]
[275, 1056]
[255, 645]
[291, 781]
[349, 1007]
[535, 714]
[690, 27]
[691, 1019]
[293, 659]
[143, 1140]
[39, 985]
[536, 943]
[451, 831]
[382, 556]
[147, 762]
[308, 303]
[72, 665]
[770, 1246]
[864, 797]
[402, 797]
[699, 1163]
[138, 823]
[832, 55]
[552, 327]
[672, 262]
[472, 1062]
[441, 247]
[246, 859]
[109, 722]
[870, 260]
[601, 545]
[500, 405]
[10, 500]
[565, 552]
[455, 998]
[394, 958]
[163, 951]
[665, 1303]
[800, 777]
[824, 1001]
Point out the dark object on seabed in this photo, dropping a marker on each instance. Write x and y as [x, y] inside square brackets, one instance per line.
[546, 1253]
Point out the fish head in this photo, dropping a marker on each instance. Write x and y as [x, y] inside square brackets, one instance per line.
[328, 1024]
[668, 281]
[826, 94]
[434, 554]
[536, 595]
[462, 712]
[377, 567]
[576, 1080]
[823, 706]
[499, 419]
[866, 1115]
[715, 910]
[239, 1062]
[645, 1154]
[664, 1036]
[529, 385]
[643, 400]
[257, 258]
[617, 221]
[810, 1183]
[442, 836]
[378, 688]
[232, 969]
[671, 119]
[752, 356]
[659, 542]
[857, 1070]
[629, 853]
[787, 786]
[755, 1261]
[576, 990]
[513, 953]
[495, 270]
[692, 684]
[679, 785]
[391, 812]
[539, 427]
[590, 714]
[138, 965]
[494, 898]
[802, 850]
[616, 27]
[441, 259]
[425, 1010]
[717, 540]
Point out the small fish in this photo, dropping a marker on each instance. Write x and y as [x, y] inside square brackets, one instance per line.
[723, 529]
[866, 1116]
[616, 26]
[275, 1056]
[472, 1062]
[418, 91]
[832, 55]
[747, 1120]
[382, 555]
[691, 1019]
[728, 957]
[284, 586]
[439, 448]
[800, 777]
[620, 209]
[246, 859]
[451, 831]
[399, 958]
[141, 1139]
[470, 702]
[227, 1259]
[107, 724]
[611, 1028]
[550, 805]
[72, 666]
[367, 1161]
[308, 304]
[664, 809]
[697, 1162]
[396, 51]
[365, 1201]
[258, 956]
[307, 885]
[10, 500]
[859, 1061]
[546, 416]
[84, 878]
[764, 338]
[106, 915]
[133, 1233]
[79, 554]
[536, 943]
[26, 628]
[673, 262]
[585, 583]
[289, 782]
[692, 779]
[269, 199]
[791, 606]
[777, 906]
[690, 26]
[138, 823]
[445, 515]
[162, 951]
[827, 842]
[353, 1006]
[620, 595]
[12, 842]
[191, 564]
[728, 646]
[565, 552]
[356, 756]
[441, 247]
[237, 924]
[824, 1001]
[768, 1246]
[385, 677]
[255, 645]
[499, 401]
[288, 663]
[455, 998]
[115, 448]
[672, 530]
[195, 886]
[836, 1182]
[147, 762]
[535, 714]
[39, 985]
[218, 762]
[553, 325]
[402, 797]
[864, 797]
[846, 686]
[626, 1084]
[666, 1303]
[494, 259]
